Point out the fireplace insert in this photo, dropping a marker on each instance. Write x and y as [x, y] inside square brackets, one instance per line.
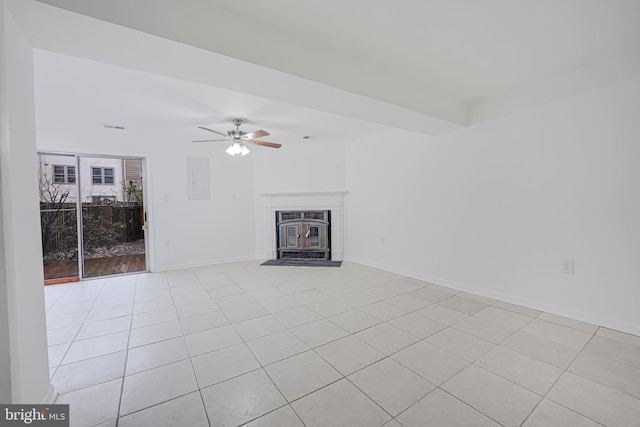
[303, 234]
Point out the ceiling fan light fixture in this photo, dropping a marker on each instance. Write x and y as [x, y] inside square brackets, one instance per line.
[232, 149]
[239, 138]
[237, 148]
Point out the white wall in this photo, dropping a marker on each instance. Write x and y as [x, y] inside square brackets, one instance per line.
[21, 285]
[5, 337]
[306, 166]
[302, 166]
[5, 329]
[495, 208]
[230, 226]
[182, 232]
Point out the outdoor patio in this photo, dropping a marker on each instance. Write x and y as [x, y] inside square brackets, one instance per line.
[97, 266]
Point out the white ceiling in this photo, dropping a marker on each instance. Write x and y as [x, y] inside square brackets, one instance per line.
[431, 58]
[469, 49]
[85, 95]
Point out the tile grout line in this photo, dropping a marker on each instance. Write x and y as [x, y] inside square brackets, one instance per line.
[288, 329]
[558, 379]
[126, 361]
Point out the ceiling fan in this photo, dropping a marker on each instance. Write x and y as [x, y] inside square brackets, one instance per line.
[238, 138]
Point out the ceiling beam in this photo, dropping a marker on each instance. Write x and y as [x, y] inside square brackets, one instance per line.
[222, 56]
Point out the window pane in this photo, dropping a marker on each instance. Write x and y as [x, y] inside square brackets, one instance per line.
[108, 175]
[58, 174]
[97, 175]
[71, 174]
[314, 215]
[314, 236]
[292, 236]
[291, 215]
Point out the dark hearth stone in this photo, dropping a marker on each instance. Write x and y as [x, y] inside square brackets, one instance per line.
[303, 262]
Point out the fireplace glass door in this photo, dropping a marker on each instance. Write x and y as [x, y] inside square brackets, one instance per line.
[313, 234]
[303, 234]
[292, 236]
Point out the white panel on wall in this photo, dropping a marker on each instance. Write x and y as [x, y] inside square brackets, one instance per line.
[198, 179]
[183, 233]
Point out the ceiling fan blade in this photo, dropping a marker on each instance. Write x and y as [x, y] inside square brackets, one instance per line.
[211, 130]
[265, 144]
[256, 134]
[209, 140]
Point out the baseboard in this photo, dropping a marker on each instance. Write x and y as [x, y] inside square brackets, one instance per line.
[594, 319]
[202, 264]
[50, 396]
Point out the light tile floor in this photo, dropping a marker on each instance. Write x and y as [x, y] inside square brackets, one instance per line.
[240, 343]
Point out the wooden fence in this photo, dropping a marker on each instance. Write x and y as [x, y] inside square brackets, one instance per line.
[129, 216]
[62, 229]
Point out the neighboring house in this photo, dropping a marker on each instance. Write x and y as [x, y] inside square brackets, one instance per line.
[101, 179]
[132, 169]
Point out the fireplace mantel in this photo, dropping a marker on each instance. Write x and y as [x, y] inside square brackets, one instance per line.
[303, 193]
[332, 200]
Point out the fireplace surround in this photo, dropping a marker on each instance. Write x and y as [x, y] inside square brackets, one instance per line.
[330, 201]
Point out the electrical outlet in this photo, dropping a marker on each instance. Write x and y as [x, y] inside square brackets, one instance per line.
[167, 243]
[567, 266]
[382, 240]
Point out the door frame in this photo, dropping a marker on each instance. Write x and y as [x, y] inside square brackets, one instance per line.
[145, 203]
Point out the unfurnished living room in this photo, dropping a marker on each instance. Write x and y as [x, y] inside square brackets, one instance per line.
[296, 213]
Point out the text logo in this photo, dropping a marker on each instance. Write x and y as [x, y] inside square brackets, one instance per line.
[34, 415]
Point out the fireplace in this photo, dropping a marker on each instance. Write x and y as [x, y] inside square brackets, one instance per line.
[303, 234]
[273, 203]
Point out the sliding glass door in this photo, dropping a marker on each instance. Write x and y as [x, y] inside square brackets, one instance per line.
[58, 188]
[102, 197]
[112, 216]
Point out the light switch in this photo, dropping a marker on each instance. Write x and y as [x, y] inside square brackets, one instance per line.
[567, 266]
